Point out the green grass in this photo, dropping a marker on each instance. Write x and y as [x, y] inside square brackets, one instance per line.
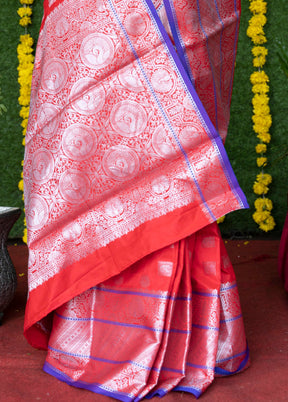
[241, 138]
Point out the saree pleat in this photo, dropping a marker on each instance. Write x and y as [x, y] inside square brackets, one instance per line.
[179, 325]
[131, 290]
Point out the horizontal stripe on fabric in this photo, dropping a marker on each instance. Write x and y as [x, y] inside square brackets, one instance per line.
[95, 387]
[167, 331]
[203, 367]
[144, 294]
[165, 297]
[122, 324]
[232, 357]
[223, 372]
[109, 361]
[205, 294]
[224, 288]
[102, 360]
[231, 319]
[205, 327]
[200, 366]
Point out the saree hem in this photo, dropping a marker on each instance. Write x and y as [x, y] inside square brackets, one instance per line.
[96, 388]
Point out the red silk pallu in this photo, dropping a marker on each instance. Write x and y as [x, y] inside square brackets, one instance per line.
[130, 287]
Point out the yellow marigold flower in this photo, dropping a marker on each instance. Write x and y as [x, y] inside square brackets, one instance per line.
[25, 82]
[27, 71]
[24, 11]
[21, 185]
[259, 204]
[24, 100]
[26, 1]
[264, 178]
[259, 39]
[263, 203]
[24, 48]
[259, 61]
[24, 37]
[261, 110]
[24, 21]
[259, 51]
[261, 148]
[260, 188]
[23, 141]
[25, 59]
[25, 92]
[268, 225]
[258, 20]
[24, 123]
[264, 137]
[220, 220]
[260, 216]
[24, 112]
[254, 32]
[260, 128]
[258, 7]
[260, 99]
[262, 161]
[259, 77]
[262, 88]
[265, 120]
[24, 238]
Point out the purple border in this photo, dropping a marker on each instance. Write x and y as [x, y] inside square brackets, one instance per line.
[97, 388]
[223, 372]
[195, 391]
[225, 163]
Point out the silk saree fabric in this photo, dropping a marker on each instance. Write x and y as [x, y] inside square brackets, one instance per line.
[125, 174]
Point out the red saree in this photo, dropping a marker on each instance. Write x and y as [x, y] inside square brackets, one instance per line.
[130, 287]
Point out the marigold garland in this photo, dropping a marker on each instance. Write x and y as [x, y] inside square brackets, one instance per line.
[261, 118]
[25, 69]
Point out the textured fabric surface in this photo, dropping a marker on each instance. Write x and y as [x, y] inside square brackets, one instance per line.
[171, 321]
[119, 148]
[125, 174]
[264, 304]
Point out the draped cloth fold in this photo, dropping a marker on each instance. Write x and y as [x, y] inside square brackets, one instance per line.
[125, 173]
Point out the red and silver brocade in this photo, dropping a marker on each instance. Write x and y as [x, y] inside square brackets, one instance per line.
[124, 175]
